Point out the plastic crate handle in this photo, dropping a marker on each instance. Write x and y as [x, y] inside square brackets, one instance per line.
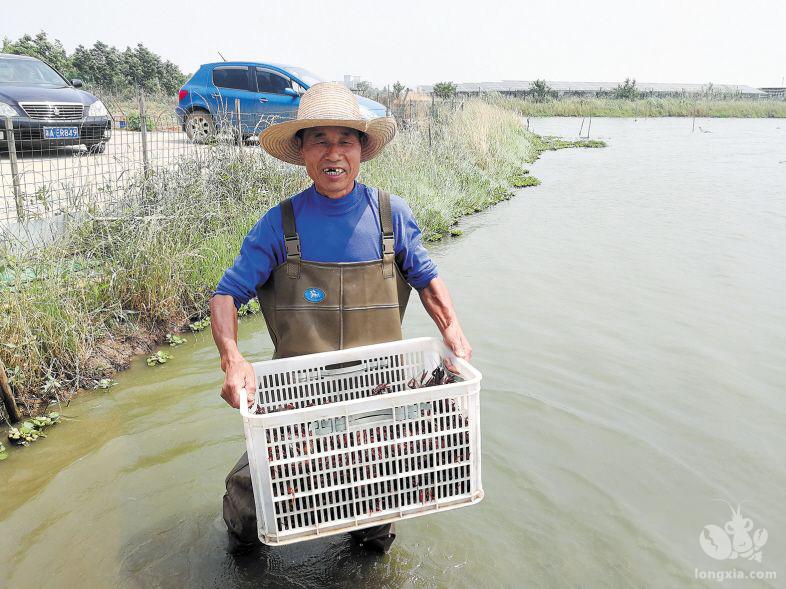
[343, 368]
[353, 367]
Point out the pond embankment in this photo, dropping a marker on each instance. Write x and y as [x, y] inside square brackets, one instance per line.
[74, 312]
[650, 107]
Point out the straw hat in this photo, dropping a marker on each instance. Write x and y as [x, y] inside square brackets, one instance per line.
[327, 104]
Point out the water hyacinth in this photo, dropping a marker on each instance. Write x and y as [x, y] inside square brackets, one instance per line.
[32, 429]
[160, 357]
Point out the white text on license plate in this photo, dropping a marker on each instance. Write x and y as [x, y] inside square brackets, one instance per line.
[61, 132]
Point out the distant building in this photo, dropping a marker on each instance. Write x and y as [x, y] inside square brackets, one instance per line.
[351, 82]
[600, 89]
[776, 92]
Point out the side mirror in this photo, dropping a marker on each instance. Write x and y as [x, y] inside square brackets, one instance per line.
[76, 83]
[291, 92]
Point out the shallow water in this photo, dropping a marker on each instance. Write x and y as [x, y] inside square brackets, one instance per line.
[629, 317]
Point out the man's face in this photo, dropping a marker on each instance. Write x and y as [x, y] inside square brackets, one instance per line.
[332, 156]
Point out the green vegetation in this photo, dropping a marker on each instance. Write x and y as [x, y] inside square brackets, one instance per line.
[134, 122]
[200, 325]
[540, 91]
[174, 340]
[398, 90]
[73, 312]
[250, 308]
[627, 90]
[32, 429]
[550, 143]
[444, 89]
[648, 107]
[159, 357]
[102, 66]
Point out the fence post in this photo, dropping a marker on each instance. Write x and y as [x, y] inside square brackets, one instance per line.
[239, 124]
[11, 142]
[143, 129]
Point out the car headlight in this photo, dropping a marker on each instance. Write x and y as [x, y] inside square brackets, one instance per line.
[97, 109]
[7, 111]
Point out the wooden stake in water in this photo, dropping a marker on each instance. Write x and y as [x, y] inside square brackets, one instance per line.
[693, 126]
[8, 397]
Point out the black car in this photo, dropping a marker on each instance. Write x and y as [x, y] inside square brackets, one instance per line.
[47, 110]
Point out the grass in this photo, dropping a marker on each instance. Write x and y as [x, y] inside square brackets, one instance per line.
[649, 107]
[73, 312]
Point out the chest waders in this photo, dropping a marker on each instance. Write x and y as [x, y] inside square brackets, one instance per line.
[314, 307]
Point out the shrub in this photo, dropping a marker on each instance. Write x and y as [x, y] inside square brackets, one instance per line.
[134, 123]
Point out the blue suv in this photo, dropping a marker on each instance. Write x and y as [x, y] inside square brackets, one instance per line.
[268, 93]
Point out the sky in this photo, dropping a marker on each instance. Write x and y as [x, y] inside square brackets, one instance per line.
[422, 42]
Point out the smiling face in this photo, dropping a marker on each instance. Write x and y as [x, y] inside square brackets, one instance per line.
[332, 156]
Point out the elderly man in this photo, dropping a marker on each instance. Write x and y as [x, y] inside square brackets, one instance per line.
[331, 266]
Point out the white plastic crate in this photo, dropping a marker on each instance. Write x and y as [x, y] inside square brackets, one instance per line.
[336, 455]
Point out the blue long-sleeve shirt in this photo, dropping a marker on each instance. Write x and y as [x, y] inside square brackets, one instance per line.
[331, 230]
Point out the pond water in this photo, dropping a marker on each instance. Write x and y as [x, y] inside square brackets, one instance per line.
[629, 317]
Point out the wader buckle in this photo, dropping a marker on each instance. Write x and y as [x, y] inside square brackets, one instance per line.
[293, 246]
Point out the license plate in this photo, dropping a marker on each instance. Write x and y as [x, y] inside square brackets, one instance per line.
[61, 132]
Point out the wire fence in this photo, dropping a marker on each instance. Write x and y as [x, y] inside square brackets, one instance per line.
[99, 166]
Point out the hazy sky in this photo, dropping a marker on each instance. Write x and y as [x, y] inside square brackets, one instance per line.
[719, 41]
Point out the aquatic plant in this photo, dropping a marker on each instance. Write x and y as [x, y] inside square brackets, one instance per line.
[159, 357]
[200, 325]
[32, 429]
[250, 308]
[175, 340]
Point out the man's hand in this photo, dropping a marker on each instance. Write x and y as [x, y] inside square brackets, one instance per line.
[436, 299]
[455, 339]
[239, 375]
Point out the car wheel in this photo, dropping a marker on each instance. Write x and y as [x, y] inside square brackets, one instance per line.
[97, 148]
[200, 126]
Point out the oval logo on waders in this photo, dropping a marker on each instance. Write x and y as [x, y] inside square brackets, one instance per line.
[314, 295]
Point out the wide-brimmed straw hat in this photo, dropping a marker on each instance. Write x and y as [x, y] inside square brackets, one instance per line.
[327, 104]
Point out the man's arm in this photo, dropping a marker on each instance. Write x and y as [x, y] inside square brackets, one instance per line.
[239, 373]
[436, 299]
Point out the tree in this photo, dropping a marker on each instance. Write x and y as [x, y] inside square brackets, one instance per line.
[444, 89]
[398, 88]
[40, 47]
[627, 90]
[103, 66]
[539, 90]
[364, 88]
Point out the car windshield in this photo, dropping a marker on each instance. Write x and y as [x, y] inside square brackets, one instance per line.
[29, 73]
[303, 74]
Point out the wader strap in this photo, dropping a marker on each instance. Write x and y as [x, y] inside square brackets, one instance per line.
[291, 238]
[388, 239]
